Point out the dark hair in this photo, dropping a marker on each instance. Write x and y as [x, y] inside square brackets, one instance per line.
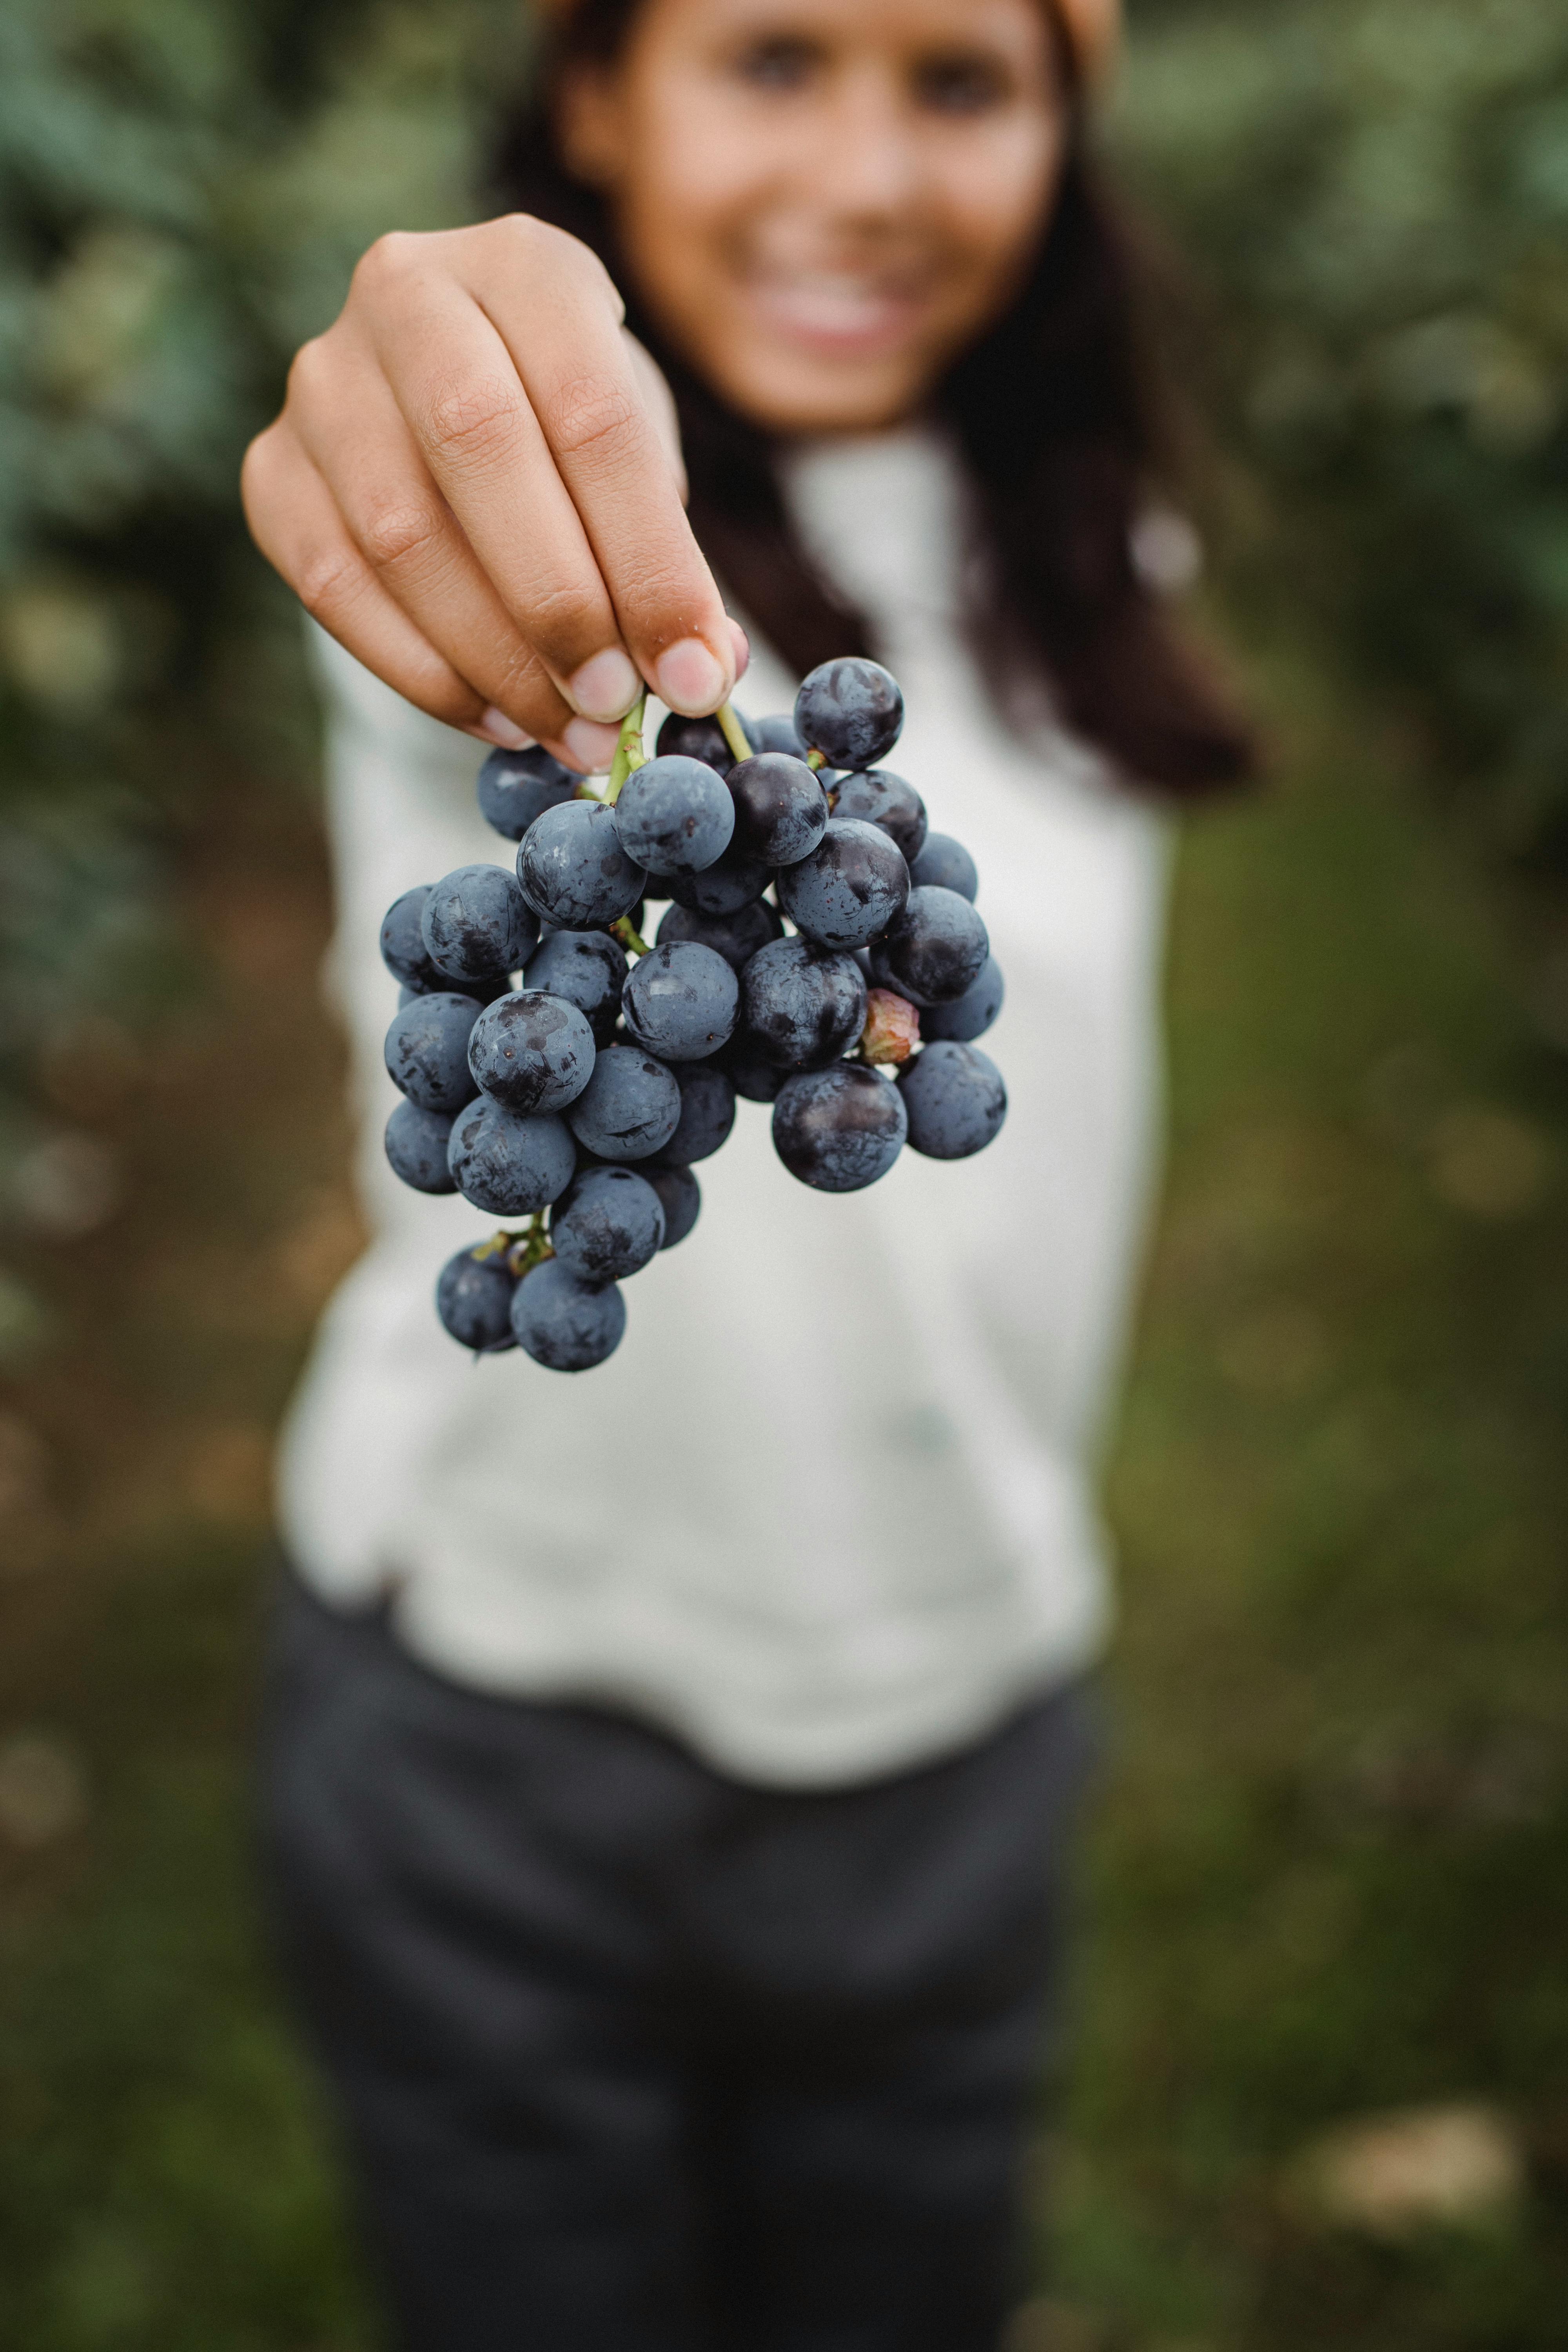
[1052, 412]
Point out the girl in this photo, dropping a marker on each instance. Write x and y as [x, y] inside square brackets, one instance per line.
[670, 1771]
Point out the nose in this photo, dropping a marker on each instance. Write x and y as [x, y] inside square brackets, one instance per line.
[866, 160]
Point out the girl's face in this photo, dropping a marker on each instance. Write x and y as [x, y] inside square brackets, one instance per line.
[825, 201]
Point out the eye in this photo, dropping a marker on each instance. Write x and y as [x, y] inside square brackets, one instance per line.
[783, 62]
[962, 81]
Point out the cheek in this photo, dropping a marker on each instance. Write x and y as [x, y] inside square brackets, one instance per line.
[995, 201]
[687, 187]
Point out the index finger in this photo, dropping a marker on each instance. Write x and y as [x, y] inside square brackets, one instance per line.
[562, 329]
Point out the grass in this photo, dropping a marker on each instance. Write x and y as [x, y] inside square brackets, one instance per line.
[1329, 1875]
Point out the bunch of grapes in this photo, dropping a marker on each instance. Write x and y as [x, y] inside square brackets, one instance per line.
[819, 939]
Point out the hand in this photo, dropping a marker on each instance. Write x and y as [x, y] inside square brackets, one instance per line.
[476, 486]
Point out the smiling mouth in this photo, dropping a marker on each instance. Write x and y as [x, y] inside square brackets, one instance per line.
[846, 312]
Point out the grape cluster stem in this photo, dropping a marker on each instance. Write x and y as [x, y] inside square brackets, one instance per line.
[734, 733]
[629, 752]
[523, 1251]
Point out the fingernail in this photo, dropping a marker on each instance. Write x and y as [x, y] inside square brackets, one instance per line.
[688, 678]
[591, 747]
[497, 728]
[606, 686]
[742, 646]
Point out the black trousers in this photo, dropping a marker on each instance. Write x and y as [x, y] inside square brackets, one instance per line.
[632, 2058]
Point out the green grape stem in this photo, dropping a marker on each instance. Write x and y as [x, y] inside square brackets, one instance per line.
[629, 752]
[521, 1251]
[630, 937]
[528, 1249]
[734, 733]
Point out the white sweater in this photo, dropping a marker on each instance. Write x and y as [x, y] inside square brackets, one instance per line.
[828, 1512]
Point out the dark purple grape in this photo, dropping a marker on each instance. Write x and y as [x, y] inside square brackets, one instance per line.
[562, 1323]
[750, 1070]
[781, 809]
[531, 1052]
[483, 991]
[731, 882]
[630, 1106]
[427, 1050]
[417, 1148]
[776, 733]
[515, 787]
[955, 1099]
[476, 922]
[854, 883]
[680, 1196]
[970, 1015]
[876, 797]
[707, 1113]
[803, 1004]
[473, 1299]
[698, 739]
[511, 1163]
[610, 1227]
[674, 816]
[681, 1001]
[403, 949]
[839, 1129]
[736, 937]
[635, 917]
[935, 950]
[588, 969]
[851, 711]
[945, 863]
[574, 871]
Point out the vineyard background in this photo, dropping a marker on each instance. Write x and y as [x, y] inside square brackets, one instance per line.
[1329, 1877]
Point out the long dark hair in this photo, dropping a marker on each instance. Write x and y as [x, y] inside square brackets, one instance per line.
[1053, 413]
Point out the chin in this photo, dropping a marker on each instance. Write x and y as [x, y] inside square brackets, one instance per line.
[812, 397]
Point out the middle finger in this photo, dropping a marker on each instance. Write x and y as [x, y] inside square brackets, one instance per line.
[475, 428]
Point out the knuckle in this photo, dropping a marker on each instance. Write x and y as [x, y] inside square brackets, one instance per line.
[325, 581]
[525, 229]
[265, 492]
[386, 262]
[394, 531]
[542, 241]
[474, 423]
[593, 416]
[309, 373]
[256, 462]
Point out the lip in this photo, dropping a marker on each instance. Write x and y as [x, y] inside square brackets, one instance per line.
[836, 313]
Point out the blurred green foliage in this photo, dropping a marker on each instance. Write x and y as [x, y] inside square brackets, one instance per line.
[1332, 1873]
[1377, 196]
[184, 185]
